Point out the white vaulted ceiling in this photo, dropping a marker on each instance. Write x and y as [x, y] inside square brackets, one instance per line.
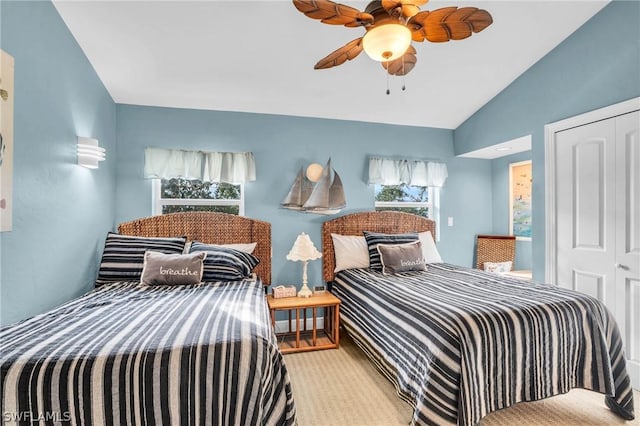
[258, 56]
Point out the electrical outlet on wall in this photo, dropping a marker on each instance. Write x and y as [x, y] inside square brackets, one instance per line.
[450, 221]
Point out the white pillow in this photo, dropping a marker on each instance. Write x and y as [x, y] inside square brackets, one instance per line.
[429, 249]
[498, 267]
[351, 252]
[243, 247]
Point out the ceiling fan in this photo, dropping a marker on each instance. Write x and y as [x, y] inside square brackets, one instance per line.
[390, 27]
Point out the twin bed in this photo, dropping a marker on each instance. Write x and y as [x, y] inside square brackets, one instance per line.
[457, 343]
[128, 354]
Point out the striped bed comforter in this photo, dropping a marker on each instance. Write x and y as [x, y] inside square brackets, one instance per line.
[127, 354]
[460, 343]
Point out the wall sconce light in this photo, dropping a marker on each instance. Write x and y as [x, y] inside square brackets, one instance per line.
[314, 171]
[89, 153]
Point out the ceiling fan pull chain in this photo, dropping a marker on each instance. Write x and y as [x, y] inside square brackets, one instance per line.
[388, 91]
[403, 74]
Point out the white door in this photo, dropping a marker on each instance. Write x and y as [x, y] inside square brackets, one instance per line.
[598, 220]
[628, 238]
[586, 174]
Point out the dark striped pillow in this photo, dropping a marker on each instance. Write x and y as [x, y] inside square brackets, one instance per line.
[123, 255]
[223, 263]
[375, 238]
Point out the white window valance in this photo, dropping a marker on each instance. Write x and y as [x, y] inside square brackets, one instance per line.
[386, 171]
[229, 167]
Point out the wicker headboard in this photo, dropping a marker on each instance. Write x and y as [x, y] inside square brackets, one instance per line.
[388, 222]
[210, 228]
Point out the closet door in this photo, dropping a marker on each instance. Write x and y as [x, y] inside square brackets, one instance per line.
[598, 220]
[627, 261]
[585, 193]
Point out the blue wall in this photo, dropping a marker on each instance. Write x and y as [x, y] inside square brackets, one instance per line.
[283, 144]
[596, 66]
[61, 211]
[500, 201]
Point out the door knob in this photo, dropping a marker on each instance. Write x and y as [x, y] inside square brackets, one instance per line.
[621, 266]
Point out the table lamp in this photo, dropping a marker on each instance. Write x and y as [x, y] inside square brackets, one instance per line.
[303, 250]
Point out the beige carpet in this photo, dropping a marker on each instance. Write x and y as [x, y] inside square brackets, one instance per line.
[341, 387]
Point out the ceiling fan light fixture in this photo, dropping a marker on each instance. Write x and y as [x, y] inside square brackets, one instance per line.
[391, 26]
[386, 42]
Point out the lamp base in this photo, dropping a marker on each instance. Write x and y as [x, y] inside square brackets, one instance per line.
[305, 292]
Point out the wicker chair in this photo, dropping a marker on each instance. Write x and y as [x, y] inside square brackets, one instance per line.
[495, 248]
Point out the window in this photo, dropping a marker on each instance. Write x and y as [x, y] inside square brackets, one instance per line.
[405, 198]
[418, 200]
[183, 195]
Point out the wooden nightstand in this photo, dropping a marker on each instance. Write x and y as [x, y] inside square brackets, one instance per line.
[301, 339]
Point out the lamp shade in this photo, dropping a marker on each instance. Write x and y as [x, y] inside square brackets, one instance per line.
[386, 42]
[303, 249]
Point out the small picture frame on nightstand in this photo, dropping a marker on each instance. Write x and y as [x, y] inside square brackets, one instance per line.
[319, 289]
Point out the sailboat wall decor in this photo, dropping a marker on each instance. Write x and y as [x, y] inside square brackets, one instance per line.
[326, 197]
[299, 192]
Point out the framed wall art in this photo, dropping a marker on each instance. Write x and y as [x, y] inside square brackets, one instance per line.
[520, 184]
[6, 140]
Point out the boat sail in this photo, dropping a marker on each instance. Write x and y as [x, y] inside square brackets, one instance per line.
[327, 196]
[299, 192]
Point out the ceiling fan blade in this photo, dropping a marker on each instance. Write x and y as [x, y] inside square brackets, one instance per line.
[333, 13]
[407, 8]
[340, 56]
[398, 67]
[448, 23]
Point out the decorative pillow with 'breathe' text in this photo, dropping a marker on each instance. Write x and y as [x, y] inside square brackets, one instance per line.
[172, 269]
[401, 257]
[376, 238]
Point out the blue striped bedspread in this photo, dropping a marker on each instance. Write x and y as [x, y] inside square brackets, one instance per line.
[128, 354]
[460, 343]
